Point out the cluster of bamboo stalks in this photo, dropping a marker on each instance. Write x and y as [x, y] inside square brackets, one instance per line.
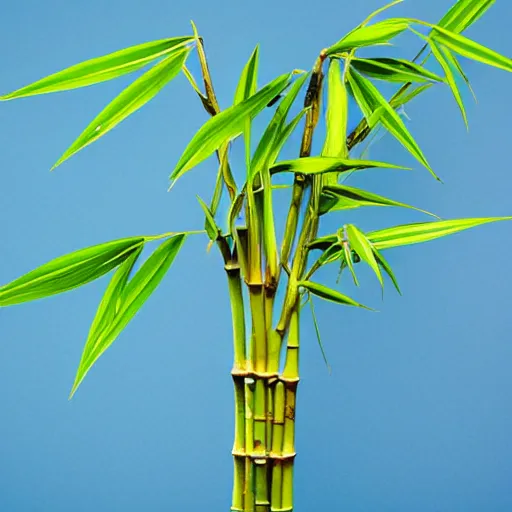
[265, 397]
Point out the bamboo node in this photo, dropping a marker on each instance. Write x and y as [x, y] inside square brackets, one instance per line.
[282, 456]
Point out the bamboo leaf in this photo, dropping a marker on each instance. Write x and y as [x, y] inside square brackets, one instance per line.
[329, 294]
[336, 115]
[350, 264]
[273, 135]
[394, 70]
[386, 267]
[376, 108]
[284, 135]
[212, 230]
[441, 56]
[363, 248]
[248, 83]
[346, 198]
[317, 332]
[69, 271]
[450, 57]
[323, 164]
[379, 11]
[404, 96]
[369, 35]
[423, 231]
[131, 299]
[469, 48]
[129, 101]
[101, 69]
[464, 13]
[110, 302]
[226, 125]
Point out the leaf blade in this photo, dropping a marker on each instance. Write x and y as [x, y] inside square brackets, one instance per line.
[68, 272]
[129, 101]
[101, 69]
[329, 294]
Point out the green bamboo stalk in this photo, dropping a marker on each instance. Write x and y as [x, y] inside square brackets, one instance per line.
[290, 377]
[277, 446]
[249, 495]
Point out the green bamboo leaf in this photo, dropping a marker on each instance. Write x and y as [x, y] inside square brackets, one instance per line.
[329, 294]
[69, 271]
[394, 70]
[131, 299]
[110, 303]
[101, 69]
[284, 135]
[347, 198]
[317, 332]
[441, 56]
[347, 253]
[226, 125]
[323, 242]
[379, 11]
[273, 134]
[464, 13]
[363, 248]
[336, 115]
[423, 231]
[376, 108]
[387, 268]
[323, 164]
[404, 96]
[469, 48]
[450, 57]
[212, 230]
[369, 35]
[129, 101]
[248, 83]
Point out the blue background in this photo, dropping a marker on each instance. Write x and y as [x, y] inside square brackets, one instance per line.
[416, 414]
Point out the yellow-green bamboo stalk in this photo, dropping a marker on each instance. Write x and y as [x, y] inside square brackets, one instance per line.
[249, 498]
[290, 377]
[277, 446]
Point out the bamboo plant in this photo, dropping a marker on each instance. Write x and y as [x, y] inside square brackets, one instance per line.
[266, 351]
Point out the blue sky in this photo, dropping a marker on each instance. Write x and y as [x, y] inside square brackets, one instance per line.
[416, 413]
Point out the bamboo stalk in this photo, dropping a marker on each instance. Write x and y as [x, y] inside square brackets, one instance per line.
[277, 446]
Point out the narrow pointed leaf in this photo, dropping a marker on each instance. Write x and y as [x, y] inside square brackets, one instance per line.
[424, 231]
[329, 294]
[369, 35]
[248, 83]
[129, 101]
[470, 49]
[371, 100]
[110, 302]
[441, 56]
[284, 135]
[101, 69]
[131, 299]
[405, 96]
[336, 115]
[224, 126]
[69, 271]
[379, 11]
[463, 14]
[363, 248]
[394, 70]
[387, 268]
[273, 134]
[350, 264]
[323, 164]
[317, 332]
[347, 198]
[450, 57]
[212, 230]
